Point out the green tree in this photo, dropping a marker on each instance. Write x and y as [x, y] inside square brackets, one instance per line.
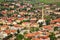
[47, 21]
[55, 28]
[52, 36]
[19, 37]
[27, 38]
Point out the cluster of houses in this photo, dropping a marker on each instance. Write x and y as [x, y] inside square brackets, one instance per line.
[18, 16]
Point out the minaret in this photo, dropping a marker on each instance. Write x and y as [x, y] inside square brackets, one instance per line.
[42, 13]
[42, 19]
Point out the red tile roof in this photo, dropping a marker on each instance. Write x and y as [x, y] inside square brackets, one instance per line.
[56, 20]
[47, 27]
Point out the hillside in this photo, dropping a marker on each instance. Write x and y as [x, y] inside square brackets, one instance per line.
[45, 1]
[38, 1]
[49, 1]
